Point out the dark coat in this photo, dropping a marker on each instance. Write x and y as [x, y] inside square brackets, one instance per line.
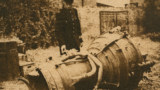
[68, 29]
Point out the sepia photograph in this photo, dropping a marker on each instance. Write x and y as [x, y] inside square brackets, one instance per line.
[79, 44]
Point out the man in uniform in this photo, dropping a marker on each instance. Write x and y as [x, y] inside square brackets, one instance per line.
[68, 30]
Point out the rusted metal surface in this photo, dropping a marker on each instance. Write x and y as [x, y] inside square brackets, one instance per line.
[52, 77]
[62, 77]
[112, 60]
[119, 57]
[103, 41]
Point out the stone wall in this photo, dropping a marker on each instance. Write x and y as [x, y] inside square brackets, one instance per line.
[90, 21]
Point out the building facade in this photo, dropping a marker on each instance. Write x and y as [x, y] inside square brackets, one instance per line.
[84, 3]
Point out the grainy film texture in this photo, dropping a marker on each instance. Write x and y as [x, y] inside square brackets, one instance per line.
[79, 45]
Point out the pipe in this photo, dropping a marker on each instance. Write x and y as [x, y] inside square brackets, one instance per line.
[70, 61]
[100, 71]
[86, 75]
[93, 61]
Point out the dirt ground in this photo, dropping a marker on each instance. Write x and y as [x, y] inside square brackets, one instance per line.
[146, 46]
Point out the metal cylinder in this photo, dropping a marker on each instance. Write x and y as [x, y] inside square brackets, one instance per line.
[9, 64]
[119, 58]
[60, 77]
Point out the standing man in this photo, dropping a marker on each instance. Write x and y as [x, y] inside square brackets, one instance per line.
[68, 30]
